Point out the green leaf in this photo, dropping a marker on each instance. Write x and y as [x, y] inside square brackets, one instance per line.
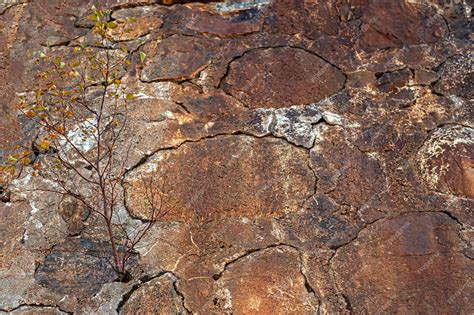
[112, 25]
[12, 159]
[93, 18]
[142, 56]
[62, 65]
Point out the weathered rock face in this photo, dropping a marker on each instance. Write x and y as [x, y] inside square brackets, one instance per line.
[416, 251]
[264, 281]
[397, 23]
[76, 266]
[228, 176]
[446, 160]
[156, 296]
[280, 77]
[177, 58]
[314, 157]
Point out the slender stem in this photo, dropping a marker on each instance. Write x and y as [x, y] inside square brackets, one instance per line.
[112, 243]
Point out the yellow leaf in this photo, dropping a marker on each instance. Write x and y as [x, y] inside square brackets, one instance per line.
[26, 161]
[45, 144]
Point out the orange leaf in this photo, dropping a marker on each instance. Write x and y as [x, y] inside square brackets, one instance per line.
[30, 114]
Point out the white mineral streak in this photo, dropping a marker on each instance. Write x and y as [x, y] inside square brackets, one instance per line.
[252, 4]
[441, 140]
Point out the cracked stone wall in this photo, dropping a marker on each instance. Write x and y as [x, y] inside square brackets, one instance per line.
[318, 155]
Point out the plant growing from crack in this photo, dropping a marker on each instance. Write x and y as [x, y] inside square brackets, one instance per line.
[79, 111]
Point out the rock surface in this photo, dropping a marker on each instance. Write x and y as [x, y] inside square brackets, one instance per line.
[238, 176]
[280, 77]
[315, 157]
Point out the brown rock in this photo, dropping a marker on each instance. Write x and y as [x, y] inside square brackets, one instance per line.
[351, 178]
[228, 176]
[281, 77]
[391, 81]
[322, 224]
[425, 76]
[157, 296]
[446, 161]
[17, 265]
[48, 23]
[265, 282]
[398, 23]
[14, 217]
[311, 19]
[221, 81]
[139, 21]
[244, 22]
[74, 214]
[393, 262]
[177, 58]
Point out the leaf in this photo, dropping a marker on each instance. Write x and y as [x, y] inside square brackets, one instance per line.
[12, 159]
[142, 56]
[30, 114]
[112, 25]
[123, 48]
[21, 105]
[26, 161]
[39, 107]
[45, 144]
[93, 18]
[129, 96]
[62, 65]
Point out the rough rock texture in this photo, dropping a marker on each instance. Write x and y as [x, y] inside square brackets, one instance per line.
[77, 266]
[157, 296]
[417, 251]
[280, 77]
[238, 176]
[316, 157]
